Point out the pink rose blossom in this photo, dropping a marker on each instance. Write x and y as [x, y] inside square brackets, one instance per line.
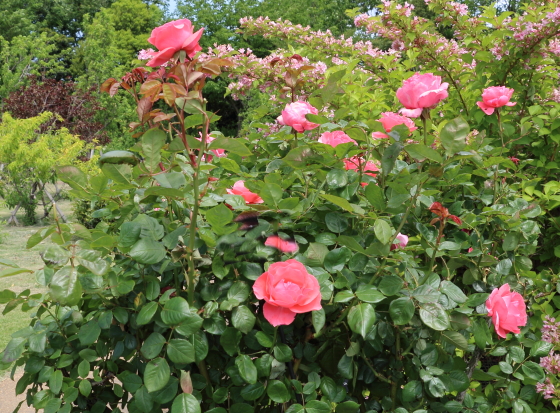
[402, 240]
[220, 153]
[421, 91]
[172, 37]
[336, 138]
[240, 189]
[287, 289]
[507, 310]
[294, 115]
[389, 120]
[495, 97]
[275, 241]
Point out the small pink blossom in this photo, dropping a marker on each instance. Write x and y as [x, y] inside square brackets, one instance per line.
[389, 120]
[356, 164]
[495, 97]
[336, 138]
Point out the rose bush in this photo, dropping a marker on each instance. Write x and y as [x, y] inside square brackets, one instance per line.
[171, 301]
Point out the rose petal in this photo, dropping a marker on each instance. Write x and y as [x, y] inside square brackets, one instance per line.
[278, 316]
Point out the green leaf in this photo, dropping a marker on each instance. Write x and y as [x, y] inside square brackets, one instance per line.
[347, 407]
[180, 351]
[72, 176]
[369, 294]
[235, 146]
[119, 174]
[383, 231]
[341, 202]
[434, 316]
[148, 251]
[185, 403]
[230, 340]
[65, 287]
[13, 271]
[89, 333]
[247, 369]
[337, 178]
[336, 259]
[511, 240]
[453, 136]
[175, 311]
[143, 400]
[156, 374]
[474, 300]
[361, 319]
[453, 292]
[412, 391]
[239, 291]
[83, 369]
[401, 310]
[390, 285]
[375, 197]
[85, 387]
[152, 142]
[315, 406]
[55, 381]
[421, 152]
[271, 194]
[283, 353]
[455, 338]
[252, 391]
[351, 243]
[541, 349]
[390, 155]
[277, 391]
[533, 371]
[146, 313]
[300, 157]
[318, 319]
[219, 216]
[243, 319]
[336, 222]
[152, 346]
[190, 325]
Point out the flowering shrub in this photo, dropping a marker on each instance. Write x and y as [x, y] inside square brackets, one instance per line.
[310, 267]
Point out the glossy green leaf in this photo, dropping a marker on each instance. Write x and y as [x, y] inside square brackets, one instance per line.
[156, 374]
[361, 319]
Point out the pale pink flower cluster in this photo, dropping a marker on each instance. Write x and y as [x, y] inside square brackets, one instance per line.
[335, 48]
[556, 95]
[547, 389]
[551, 330]
[551, 363]
[145, 54]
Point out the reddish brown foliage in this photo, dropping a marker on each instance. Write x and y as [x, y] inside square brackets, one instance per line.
[76, 107]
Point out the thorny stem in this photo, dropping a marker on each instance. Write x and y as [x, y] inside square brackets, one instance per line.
[194, 214]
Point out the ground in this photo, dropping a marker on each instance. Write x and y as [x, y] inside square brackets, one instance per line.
[12, 247]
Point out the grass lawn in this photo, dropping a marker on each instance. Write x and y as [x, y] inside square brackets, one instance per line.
[13, 248]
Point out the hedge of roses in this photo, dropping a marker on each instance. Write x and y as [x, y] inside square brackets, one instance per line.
[375, 248]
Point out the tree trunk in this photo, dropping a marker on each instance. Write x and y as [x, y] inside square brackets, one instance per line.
[13, 218]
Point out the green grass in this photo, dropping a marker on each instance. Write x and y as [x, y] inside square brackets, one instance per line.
[12, 247]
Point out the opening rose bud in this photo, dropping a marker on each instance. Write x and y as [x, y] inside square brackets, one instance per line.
[287, 289]
[421, 91]
[172, 37]
[249, 197]
[336, 138]
[495, 97]
[507, 309]
[401, 241]
[294, 115]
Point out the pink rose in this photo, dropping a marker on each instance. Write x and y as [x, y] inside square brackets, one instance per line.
[240, 189]
[294, 115]
[495, 97]
[336, 138]
[507, 310]
[421, 91]
[172, 37]
[275, 241]
[287, 289]
[402, 240]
